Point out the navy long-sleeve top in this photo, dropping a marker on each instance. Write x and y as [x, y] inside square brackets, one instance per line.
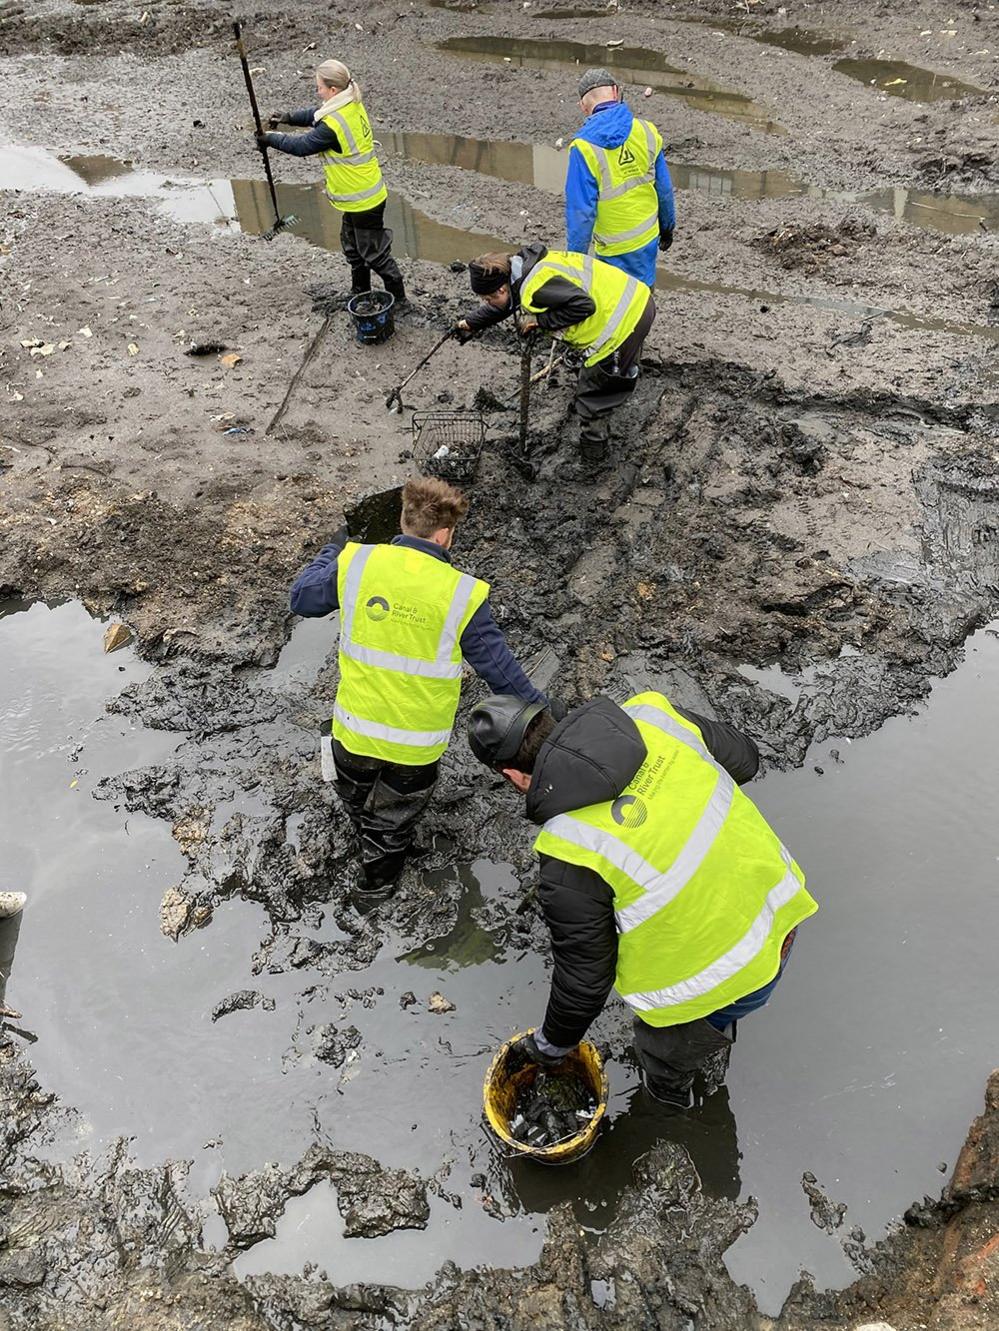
[319, 139]
[314, 592]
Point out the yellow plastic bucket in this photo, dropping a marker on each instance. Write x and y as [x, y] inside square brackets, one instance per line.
[499, 1097]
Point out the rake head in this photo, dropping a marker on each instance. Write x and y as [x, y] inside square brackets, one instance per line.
[282, 224]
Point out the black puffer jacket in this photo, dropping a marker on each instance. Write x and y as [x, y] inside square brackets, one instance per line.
[562, 303]
[589, 758]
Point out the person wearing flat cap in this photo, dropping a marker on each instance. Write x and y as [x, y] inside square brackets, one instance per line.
[618, 192]
[598, 311]
[659, 876]
[340, 130]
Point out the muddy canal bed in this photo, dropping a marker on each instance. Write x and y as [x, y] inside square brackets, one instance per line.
[863, 1073]
[799, 530]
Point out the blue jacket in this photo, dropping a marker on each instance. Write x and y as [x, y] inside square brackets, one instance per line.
[608, 127]
[314, 592]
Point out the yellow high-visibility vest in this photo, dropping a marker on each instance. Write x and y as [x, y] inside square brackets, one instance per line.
[704, 892]
[627, 203]
[402, 614]
[353, 177]
[620, 300]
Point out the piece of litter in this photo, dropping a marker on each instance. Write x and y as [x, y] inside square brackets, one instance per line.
[617, 41]
[115, 636]
[33, 342]
[64, 346]
[84, 332]
[646, 92]
[74, 783]
[133, 350]
[893, 83]
[438, 1003]
[42, 349]
[15, 396]
[233, 358]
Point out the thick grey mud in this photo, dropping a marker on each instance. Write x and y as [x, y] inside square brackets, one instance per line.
[231, 1101]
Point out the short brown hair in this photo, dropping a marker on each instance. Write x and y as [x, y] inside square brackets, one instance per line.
[535, 735]
[429, 504]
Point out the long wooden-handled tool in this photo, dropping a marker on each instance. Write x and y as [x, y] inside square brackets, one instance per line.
[525, 393]
[280, 223]
[311, 350]
[394, 399]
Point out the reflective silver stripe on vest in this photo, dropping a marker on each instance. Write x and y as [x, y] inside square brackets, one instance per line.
[418, 739]
[749, 946]
[620, 310]
[643, 226]
[669, 725]
[609, 191]
[659, 886]
[348, 159]
[442, 667]
[356, 198]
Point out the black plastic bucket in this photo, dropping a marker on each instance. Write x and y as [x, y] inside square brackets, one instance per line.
[372, 314]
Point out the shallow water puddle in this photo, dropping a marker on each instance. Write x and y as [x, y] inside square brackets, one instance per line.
[631, 64]
[544, 167]
[865, 1070]
[417, 236]
[899, 79]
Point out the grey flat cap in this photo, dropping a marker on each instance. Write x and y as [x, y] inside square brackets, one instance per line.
[596, 78]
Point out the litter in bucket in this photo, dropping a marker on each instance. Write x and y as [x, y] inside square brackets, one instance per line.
[447, 444]
[372, 314]
[505, 1083]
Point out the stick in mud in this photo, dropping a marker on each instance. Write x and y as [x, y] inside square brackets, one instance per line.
[310, 353]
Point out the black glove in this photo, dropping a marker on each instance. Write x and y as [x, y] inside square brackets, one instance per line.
[277, 118]
[559, 708]
[526, 1051]
[263, 141]
[464, 335]
[341, 536]
[665, 239]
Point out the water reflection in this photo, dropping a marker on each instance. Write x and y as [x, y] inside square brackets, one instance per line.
[899, 79]
[631, 64]
[544, 167]
[594, 1185]
[467, 943]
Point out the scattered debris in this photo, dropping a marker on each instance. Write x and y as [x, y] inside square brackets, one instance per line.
[241, 1001]
[116, 636]
[439, 1004]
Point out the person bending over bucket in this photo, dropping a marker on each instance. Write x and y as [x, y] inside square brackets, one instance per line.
[597, 310]
[340, 132]
[659, 877]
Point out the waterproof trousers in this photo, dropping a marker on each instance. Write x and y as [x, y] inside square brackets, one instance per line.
[608, 384]
[672, 1056]
[384, 802]
[367, 245]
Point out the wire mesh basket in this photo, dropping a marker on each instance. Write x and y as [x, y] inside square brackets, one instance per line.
[448, 444]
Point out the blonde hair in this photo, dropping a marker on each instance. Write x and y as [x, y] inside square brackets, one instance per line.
[335, 74]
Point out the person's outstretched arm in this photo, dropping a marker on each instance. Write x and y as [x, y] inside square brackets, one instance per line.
[485, 649]
[314, 591]
[319, 139]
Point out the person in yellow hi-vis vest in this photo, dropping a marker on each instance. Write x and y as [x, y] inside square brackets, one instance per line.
[618, 192]
[659, 877]
[407, 619]
[599, 312]
[340, 132]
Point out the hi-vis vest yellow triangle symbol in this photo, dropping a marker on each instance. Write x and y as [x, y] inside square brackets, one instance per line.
[625, 157]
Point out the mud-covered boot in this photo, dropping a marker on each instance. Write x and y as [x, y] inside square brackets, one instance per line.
[594, 450]
[674, 1095]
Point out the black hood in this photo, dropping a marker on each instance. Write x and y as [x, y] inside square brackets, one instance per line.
[588, 758]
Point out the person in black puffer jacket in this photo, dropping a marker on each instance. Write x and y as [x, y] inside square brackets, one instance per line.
[658, 877]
